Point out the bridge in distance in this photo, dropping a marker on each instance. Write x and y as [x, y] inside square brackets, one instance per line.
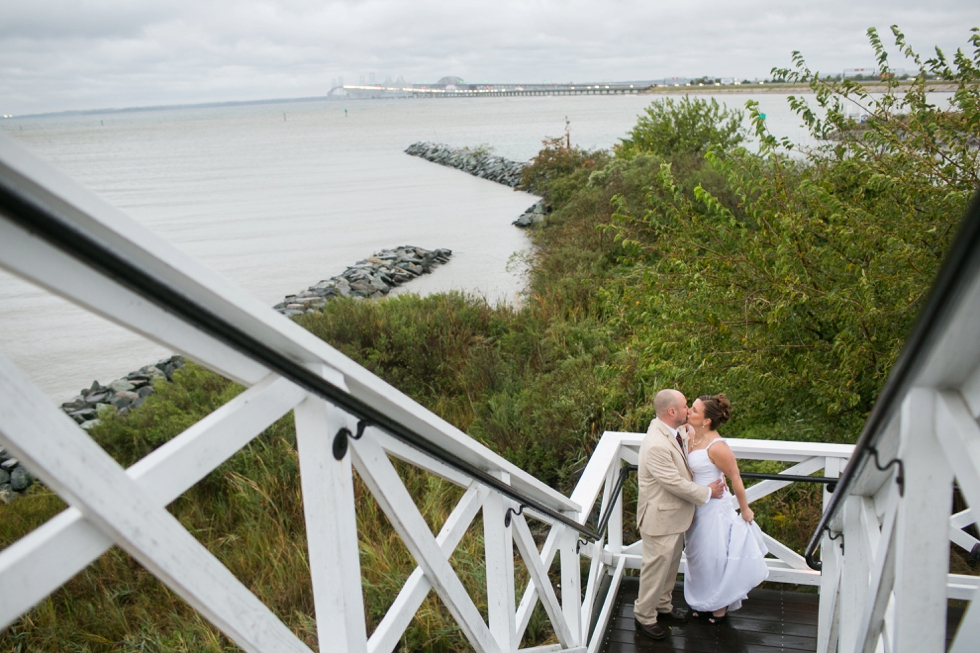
[490, 90]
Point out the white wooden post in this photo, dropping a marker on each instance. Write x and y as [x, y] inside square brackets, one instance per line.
[828, 628]
[571, 580]
[854, 574]
[499, 546]
[615, 530]
[596, 571]
[331, 528]
[921, 529]
[828, 620]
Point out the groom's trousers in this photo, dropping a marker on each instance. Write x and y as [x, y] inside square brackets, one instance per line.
[658, 574]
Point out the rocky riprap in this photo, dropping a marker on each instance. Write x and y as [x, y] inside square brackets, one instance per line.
[533, 216]
[369, 278]
[481, 164]
[14, 478]
[122, 395]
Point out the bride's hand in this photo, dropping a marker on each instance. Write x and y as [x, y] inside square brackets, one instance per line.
[748, 515]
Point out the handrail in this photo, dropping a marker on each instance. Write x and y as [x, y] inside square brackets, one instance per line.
[43, 222]
[603, 523]
[960, 266]
[613, 497]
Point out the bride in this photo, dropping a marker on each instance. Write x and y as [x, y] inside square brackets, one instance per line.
[724, 553]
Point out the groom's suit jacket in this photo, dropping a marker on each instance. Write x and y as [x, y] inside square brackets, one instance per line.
[667, 493]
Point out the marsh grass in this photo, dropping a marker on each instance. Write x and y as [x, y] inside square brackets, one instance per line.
[248, 513]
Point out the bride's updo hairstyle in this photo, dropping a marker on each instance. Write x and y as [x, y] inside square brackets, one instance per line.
[717, 408]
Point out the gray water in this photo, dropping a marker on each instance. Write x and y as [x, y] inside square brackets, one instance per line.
[278, 196]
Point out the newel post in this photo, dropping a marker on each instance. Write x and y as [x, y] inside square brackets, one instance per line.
[331, 528]
[571, 581]
[499, 546]
[921, 530]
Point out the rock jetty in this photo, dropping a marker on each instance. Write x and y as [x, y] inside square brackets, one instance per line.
[533, 216]
[476, 162]
[369, 278]
[122, 395]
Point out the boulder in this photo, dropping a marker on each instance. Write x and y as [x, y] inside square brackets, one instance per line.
[96, 397]
[83, 415]
[118, 402]
[20, 480]
[121, 385]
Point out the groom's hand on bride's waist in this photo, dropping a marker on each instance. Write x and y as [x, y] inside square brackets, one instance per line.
[717, 489]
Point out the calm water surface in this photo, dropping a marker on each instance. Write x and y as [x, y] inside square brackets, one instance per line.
[278, 196]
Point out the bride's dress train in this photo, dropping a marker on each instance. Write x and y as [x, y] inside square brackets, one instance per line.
[725, 554]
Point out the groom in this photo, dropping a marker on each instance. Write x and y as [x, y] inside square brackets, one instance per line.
[664, 511]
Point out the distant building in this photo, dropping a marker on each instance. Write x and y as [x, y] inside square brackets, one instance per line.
[863, 73]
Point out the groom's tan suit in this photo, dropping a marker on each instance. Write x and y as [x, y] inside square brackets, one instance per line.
[664, 511]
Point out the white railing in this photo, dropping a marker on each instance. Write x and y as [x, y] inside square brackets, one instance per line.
[886, 577]
[613, 556]
[885, 537]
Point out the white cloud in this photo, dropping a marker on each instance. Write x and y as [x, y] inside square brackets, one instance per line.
[62, 54]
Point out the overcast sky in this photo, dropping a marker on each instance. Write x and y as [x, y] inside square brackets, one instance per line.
[58, 55]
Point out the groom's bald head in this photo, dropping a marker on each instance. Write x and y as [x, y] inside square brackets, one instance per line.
[664, 401]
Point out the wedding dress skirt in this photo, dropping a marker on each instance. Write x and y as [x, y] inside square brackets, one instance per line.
[725, 554]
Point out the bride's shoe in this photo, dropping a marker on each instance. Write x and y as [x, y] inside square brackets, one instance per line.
[710, 618]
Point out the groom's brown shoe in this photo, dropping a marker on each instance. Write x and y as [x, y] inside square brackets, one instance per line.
[653, 631]
[676, 615]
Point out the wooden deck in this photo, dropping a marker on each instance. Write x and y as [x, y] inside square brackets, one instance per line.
[770, 621]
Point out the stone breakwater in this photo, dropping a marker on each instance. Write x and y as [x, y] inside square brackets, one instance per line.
[533, 216]
[120, 396]
[369, 278]
[481, 164]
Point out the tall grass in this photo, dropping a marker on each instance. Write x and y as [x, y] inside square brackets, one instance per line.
[249, 513]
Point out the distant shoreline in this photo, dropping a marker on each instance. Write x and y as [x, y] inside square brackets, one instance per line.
[937, 87]
[730, 89]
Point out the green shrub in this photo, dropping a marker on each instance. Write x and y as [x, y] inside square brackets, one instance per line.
[685, 126]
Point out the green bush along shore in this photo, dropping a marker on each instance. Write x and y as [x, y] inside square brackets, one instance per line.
[698, 254]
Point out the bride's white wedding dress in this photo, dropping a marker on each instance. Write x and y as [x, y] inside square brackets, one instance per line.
[724, 552]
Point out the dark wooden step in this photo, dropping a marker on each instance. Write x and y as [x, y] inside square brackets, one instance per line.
[770, 621]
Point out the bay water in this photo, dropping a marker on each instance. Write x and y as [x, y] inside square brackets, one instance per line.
[277, 196]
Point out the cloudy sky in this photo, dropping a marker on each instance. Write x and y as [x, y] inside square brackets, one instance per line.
[58, 55]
